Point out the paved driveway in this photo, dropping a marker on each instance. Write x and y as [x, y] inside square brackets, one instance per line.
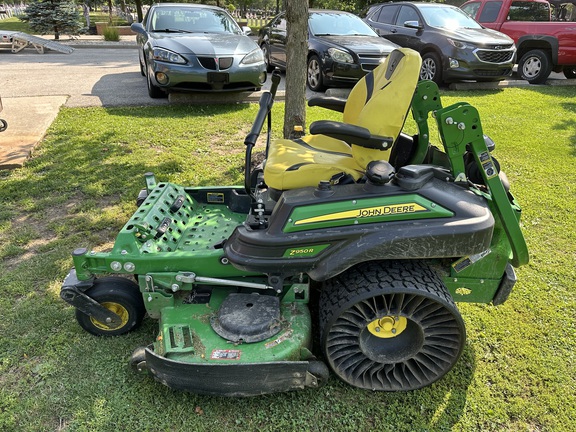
[88, 76]
[34, 86]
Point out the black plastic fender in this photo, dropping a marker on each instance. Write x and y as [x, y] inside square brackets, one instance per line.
[468, 231]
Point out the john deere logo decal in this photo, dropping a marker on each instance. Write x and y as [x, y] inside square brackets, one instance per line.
[367, 212]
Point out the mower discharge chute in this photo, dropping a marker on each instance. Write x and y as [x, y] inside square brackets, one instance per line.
[389, 230]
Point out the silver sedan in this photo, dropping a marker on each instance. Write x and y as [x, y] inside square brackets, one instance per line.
[192, 47]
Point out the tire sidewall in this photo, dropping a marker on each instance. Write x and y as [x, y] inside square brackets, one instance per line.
[266, 52]
[543, 72]
[153, 90]
[122, 292]
[320, 86]
[570, 72]
[385, 291]
[142, 63]
[410, 278]
[435, 58]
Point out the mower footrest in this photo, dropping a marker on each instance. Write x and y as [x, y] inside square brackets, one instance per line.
[230, 379]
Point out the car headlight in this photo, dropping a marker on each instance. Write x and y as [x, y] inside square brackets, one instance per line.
[164, 55]
[340, 56]
[254, 56]
[460, 44]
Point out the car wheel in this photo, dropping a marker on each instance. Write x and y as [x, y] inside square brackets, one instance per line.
[154, 91]
[266, 52]
[314, 74]
[431, 68]
[142, 66]
[535, 66]
[570, 72]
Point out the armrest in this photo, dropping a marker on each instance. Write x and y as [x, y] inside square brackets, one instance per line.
[352, 134]
[331, 103]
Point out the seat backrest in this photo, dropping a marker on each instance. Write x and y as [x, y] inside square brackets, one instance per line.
[381, 101]
[164, 22]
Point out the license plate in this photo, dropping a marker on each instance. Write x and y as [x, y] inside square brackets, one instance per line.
[218, 78]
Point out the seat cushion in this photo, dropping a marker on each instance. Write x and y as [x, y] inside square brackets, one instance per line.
[379, 102]
[305, 162]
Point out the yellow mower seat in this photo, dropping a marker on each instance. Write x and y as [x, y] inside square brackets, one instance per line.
[379, 102]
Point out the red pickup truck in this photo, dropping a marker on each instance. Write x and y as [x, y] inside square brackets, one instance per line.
[543, 45]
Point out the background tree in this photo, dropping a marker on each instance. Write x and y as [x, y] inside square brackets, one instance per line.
[296, 53]
[109, 11]
[53, 16]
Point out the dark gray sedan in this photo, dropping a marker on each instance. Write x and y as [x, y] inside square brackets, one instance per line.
[192, 47]
[341, 48]
[453, 46]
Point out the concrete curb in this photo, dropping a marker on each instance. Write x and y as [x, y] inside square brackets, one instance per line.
[508, 83]
[220, 98]
[105, 44]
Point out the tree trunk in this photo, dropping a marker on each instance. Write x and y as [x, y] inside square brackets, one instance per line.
[86, 13]
[296, 56]
[110, 12]
[139, 10]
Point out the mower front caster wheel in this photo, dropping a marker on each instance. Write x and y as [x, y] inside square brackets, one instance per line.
[138, 360]
[119, 295]
[390, 326]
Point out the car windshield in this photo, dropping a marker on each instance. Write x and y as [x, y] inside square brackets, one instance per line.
[192, 20]
[450, 18]
[337, 24]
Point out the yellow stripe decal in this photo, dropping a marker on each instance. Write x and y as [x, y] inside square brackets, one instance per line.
[366, 212]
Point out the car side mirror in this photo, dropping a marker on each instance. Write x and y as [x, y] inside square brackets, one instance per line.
[246, 31]
[413, 24]
[138, 28]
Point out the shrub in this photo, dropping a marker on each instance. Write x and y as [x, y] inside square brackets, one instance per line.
[111, 34]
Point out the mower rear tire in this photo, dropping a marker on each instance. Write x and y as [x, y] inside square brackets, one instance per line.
[390, 326]
[121, 296]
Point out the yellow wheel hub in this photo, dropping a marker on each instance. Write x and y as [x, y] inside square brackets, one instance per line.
[388, 326]
[119, 310]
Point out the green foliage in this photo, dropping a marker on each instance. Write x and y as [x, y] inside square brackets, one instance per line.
[111, 34]
[344, 5]
[104, 17]
[53, 16]
[517, 371]
[14, 24]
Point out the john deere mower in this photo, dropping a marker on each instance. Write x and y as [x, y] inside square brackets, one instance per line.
[344, 253]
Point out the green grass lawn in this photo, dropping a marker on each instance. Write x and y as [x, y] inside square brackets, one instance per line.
[14, 24]
[517, 369]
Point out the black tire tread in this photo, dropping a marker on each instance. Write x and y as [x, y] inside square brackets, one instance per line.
[546, 66]
[425, 294]
[361, 280]
[122, 291]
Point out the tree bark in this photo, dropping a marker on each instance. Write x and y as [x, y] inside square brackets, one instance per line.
[110, 12]
[296, 56]
[139, 10]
